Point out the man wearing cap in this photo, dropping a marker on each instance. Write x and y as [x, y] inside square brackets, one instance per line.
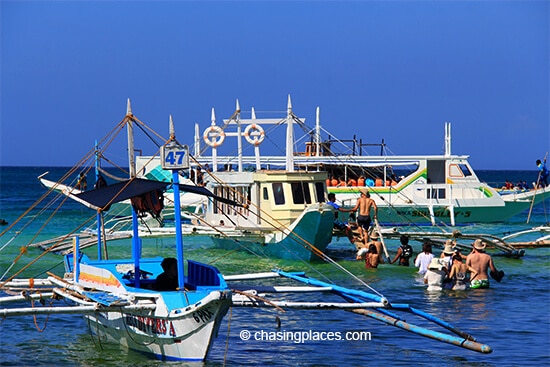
[482, 262]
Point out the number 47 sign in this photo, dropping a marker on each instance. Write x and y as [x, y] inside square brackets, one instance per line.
[174, 156]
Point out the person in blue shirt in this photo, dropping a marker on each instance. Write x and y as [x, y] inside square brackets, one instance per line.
[338, 224]
[543, 173]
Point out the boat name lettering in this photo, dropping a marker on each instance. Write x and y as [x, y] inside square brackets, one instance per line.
[151, 325]
[445, 213]
[202, 315]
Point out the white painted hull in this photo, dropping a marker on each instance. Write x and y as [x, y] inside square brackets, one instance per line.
[184, 336]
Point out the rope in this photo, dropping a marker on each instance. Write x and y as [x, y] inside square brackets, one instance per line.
[35, 318]
[228, 333]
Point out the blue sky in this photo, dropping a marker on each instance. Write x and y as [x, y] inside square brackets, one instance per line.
[395, 70]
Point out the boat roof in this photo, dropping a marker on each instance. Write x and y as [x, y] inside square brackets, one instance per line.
[127, 189]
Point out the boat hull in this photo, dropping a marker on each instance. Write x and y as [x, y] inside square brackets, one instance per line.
[185, 334]
[459, 211]
[311, 233]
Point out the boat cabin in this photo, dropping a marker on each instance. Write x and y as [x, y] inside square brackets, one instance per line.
[281, 196]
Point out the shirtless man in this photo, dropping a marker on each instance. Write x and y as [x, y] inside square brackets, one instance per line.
[364, 204]
[481, 262]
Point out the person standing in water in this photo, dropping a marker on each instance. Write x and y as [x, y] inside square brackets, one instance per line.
[481, 262]
[365, 204]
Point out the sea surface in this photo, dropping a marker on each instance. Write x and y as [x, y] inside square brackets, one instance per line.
[512, 317]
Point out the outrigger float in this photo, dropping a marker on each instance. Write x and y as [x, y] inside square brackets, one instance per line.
[121, 300]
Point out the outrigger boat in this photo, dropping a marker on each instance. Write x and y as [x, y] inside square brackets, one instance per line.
[411, 189]
[121, 300]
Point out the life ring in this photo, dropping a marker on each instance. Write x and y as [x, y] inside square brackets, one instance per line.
[254, 134]
[213, 136]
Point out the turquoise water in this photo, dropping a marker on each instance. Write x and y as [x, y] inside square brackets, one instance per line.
[513, 317]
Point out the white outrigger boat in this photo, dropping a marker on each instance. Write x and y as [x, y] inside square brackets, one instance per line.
[122, 302]
[431, 189]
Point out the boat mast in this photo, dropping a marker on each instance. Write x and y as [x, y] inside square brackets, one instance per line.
[289, 137]
[214, 149]
[136, 248]
[130, 129]
[447, 139]
[318, 132]
[197, 150]
[175, 157]
[239, 137]
[99, 215]
[256, 146]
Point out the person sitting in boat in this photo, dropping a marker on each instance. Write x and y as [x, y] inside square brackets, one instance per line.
[100, 182]
[460, 273]
[365, 204]
[404, 251]
[352, 181]
[168, 280]
[481, 262]
[543, 173]
[338, 224]
[424, 258]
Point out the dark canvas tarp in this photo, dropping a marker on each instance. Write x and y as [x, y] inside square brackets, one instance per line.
[131, 188]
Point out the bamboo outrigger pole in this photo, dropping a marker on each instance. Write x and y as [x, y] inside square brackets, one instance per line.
[382, 239]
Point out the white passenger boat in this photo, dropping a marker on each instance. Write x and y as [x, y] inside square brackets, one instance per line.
[408, 189]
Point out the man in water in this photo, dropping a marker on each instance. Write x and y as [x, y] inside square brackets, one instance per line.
[338, 224]
[481, 262]
[543, 173]
[364, 204]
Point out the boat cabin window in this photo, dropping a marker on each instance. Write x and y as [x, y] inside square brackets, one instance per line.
[436, 171]
[459, 170]
[300, 193]
[239, 194]
[320, 192]
[278, 193]
[435, 193]
[465, 170]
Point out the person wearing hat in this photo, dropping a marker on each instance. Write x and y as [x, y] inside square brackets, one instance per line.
[481, 262]
[376, 242]
[435, 274]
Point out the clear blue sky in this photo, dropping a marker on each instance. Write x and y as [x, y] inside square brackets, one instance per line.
[377, 69]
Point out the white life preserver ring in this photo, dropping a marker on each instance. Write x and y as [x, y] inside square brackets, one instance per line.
[254, 134]
[213, 136]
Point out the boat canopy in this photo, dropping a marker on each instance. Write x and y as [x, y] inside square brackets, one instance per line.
[107, 195]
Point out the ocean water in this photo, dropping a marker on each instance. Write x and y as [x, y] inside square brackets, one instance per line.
[513, 317]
